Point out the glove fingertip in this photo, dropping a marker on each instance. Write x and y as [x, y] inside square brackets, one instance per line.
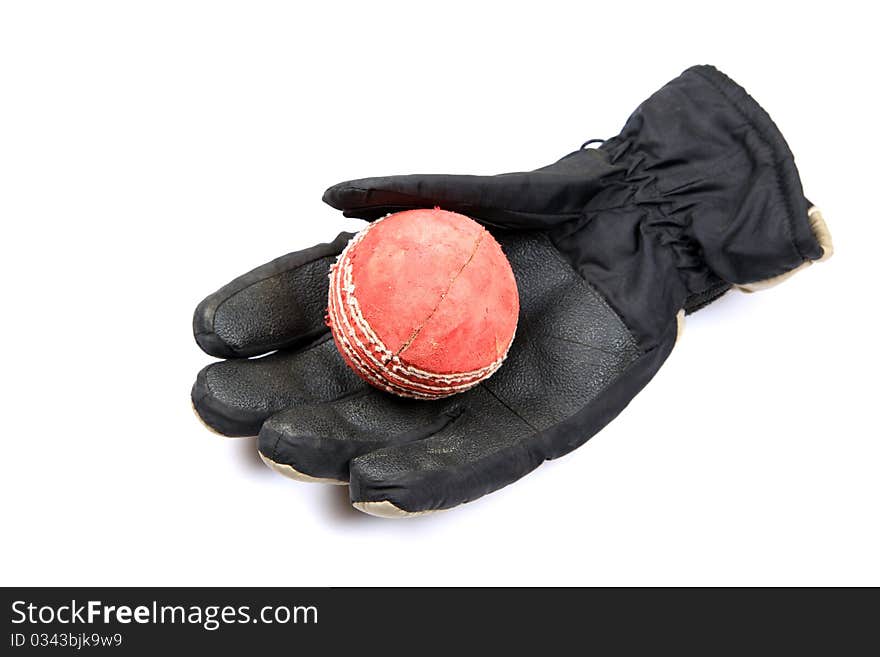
[203, 330]
[343, 195]
[220, 415]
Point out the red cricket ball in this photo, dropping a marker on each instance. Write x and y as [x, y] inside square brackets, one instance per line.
[423, 303]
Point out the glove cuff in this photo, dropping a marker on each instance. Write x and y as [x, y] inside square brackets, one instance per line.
[823, 237]
[718, 170]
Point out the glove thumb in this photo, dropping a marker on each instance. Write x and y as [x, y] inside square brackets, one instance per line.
[528, 200]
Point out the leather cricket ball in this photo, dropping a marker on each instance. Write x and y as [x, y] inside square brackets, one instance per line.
[423, 303]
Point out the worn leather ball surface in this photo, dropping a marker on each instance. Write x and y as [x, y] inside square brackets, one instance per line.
[423, 303]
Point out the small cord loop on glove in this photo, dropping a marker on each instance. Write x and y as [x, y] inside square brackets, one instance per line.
[591, 141]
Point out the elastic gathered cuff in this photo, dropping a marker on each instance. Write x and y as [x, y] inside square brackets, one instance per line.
[803, 238]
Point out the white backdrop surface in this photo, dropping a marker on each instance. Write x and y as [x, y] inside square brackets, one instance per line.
[149, 152]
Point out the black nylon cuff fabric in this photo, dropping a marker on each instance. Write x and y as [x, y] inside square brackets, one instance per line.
[721, 173]
[704, 195]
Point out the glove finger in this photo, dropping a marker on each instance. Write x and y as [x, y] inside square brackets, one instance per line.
[483, 449]
[316, 442]
[234, 397]
[277, 305]
[534, 199]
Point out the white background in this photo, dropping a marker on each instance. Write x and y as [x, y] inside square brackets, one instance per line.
[151, 151]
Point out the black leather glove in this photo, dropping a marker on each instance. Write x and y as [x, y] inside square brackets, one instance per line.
[697, 194]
